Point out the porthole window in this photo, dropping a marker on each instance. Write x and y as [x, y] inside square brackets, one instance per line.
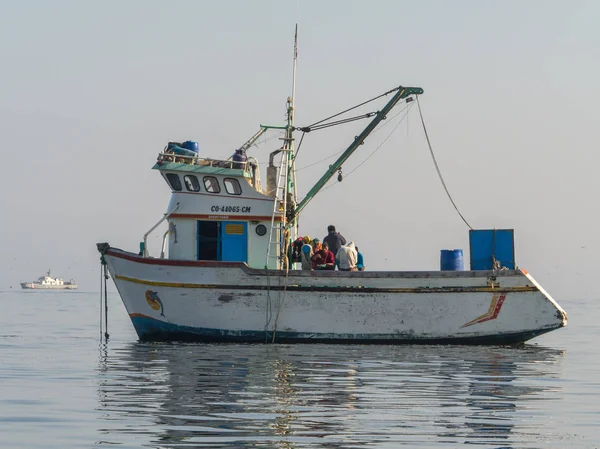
[191, 183]
[211, 184]
[261, 229]
[232, 186]
[174, 181]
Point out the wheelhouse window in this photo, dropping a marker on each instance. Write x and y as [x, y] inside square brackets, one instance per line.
[174, 181]
[211, 184]
[232, 186]
[191, 183]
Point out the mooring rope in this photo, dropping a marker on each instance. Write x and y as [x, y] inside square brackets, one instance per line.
[268, 311]
[287, 272]
[437, 168]
[101, 290]
[105, 305]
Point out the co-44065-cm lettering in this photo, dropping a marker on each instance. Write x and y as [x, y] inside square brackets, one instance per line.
[234, 209]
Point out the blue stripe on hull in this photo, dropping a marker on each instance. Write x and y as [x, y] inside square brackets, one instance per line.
[149, 329]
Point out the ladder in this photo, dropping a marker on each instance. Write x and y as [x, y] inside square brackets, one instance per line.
[276, 247]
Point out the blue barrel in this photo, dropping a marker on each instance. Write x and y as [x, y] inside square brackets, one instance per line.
[183, 151]
[193, 146]
[452, 260]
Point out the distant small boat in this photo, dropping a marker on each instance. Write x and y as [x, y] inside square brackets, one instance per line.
[48, 282]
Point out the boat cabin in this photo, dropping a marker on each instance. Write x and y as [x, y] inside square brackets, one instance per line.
[218, 210]
[47, 280]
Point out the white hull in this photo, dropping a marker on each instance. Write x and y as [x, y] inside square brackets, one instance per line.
[34, 286]
[220, 301]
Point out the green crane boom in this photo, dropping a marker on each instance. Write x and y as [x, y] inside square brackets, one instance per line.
[402, 92]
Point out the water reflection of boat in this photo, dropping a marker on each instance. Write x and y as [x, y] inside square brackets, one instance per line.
[290, 396]
[493, 386]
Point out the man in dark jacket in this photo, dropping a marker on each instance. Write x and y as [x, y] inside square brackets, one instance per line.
[334, 239]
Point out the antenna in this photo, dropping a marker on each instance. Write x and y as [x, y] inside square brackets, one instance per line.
[294, 71]
[293, 113]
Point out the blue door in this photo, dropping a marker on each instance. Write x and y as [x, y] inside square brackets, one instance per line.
[234, 241]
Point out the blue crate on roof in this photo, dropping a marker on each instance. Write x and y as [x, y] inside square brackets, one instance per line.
[486, 244]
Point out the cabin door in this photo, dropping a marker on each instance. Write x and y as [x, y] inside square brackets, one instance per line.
[223, 240]
[234, 241]
[209, 240]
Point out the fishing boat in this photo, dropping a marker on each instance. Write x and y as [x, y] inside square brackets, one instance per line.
[48, 282]
[226, 273]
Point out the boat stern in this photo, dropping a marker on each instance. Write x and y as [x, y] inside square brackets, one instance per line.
[561, 314]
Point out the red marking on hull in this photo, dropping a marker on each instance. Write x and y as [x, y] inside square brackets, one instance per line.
[492, 313]
[178, 263]
[217, 216]
[132, 315]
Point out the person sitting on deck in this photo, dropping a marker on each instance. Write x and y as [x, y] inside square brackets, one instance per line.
[346, 257]
[316, 244]
[318, 257]
[329, 258]
[306, 254]
[323, 259]
[360, 261]
[297, 250]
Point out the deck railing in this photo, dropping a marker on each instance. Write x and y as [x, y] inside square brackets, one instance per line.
[206, 162]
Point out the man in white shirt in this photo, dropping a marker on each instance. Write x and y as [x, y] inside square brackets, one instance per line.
[347, 257]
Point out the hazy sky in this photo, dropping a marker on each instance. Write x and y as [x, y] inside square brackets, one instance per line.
[90, 92]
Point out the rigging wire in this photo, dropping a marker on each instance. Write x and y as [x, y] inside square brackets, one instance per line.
[293, 168]
[375, 131]
[274, 136]
[437, 168]
[265, 139]
[407, 109]
[384, 141]
[322, 160]
[354, 107]
[337, 122]
[298, 150]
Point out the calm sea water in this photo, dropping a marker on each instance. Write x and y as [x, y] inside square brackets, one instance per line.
[60, 387]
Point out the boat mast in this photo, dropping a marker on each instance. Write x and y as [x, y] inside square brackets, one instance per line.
[287, 229]
[401, 92]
